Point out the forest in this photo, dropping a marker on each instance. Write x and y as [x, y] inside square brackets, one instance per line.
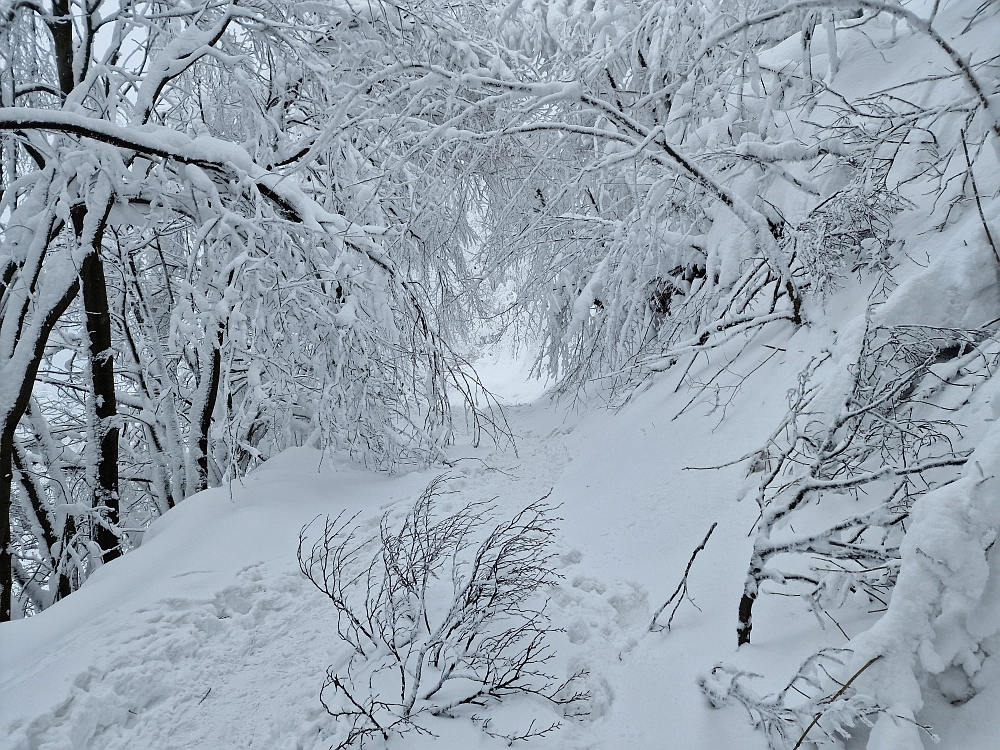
[234, 233]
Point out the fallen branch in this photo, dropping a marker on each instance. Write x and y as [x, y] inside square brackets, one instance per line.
[682, 588]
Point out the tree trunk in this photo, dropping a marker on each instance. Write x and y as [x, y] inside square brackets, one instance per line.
[745, 624]
[102, 374]
[35, 508]
[750, 590]
[10, 417]
[21, 365]
[214, 375]
[6, 562]
[61, 28]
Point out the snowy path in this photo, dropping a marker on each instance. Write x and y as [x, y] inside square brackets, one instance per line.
[208, 637]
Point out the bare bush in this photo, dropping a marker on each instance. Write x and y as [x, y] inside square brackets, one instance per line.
[444, 614]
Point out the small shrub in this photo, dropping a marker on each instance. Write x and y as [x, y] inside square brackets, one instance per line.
[445, 614]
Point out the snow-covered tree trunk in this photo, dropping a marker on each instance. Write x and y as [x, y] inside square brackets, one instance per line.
[103, 437]
[24, 330]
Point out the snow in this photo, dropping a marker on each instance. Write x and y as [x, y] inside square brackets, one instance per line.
[212, 599]
[208, 635]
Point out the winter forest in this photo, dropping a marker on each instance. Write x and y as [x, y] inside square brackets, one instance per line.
[566, 374]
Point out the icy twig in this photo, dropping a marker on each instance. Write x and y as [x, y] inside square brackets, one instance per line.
[834, 697]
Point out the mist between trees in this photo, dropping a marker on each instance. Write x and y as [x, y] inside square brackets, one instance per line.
[227, 228]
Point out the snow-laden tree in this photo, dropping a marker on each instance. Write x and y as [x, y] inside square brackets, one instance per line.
[683, 175]
[874, 490]
[677, 183]
[650, 237]
[217, 241]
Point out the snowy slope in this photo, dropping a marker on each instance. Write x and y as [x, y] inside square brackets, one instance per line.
[209, 637]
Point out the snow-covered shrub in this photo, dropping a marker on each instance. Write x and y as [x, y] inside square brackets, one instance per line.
[870, 453]
[940, 631]
[812, 705]
[908, 527]
[444, 614]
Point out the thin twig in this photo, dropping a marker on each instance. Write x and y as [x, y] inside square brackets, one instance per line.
[979, 203]
[836, 695]
[681, 587]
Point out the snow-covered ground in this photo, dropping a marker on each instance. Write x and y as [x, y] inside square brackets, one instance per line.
[208, 636]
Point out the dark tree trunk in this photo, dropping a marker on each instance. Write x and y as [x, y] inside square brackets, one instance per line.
[96, 313]
[61, 27]
[214, 375]
[745, 619]
[102, 374]
[6, 562]
[9, 420]
[35, 496]
[750, 591]
[8, 427]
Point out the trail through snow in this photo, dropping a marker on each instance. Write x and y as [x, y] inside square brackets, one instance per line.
[208, 636]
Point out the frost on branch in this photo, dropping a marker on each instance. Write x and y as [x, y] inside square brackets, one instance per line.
[444, 614]
[812, 705]
[871, 455]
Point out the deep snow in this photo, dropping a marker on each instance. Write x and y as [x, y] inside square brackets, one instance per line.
[209, 637]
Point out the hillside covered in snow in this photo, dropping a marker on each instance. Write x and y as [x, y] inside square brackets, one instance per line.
[564, 375]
